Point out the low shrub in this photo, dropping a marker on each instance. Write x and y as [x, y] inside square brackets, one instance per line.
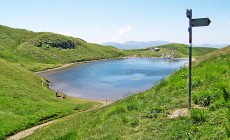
[217, 104]
[225, 94]
[203, 99]
[198, 115]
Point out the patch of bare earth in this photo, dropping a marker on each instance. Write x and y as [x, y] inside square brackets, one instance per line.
[178, 113]
[182, 112]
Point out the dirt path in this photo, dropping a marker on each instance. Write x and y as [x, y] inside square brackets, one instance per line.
[29, 131]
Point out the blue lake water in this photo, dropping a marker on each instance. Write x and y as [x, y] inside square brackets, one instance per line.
[111, 79]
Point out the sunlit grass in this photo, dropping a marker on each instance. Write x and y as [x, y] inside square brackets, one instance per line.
[145, 115]
[26, 100]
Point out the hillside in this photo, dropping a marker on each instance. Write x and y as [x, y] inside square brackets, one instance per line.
[39, 51]
[146, 115]
[26, 100]
[174, 50]
[43, 50]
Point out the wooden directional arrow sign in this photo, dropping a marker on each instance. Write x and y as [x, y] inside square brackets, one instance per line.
[200, 22]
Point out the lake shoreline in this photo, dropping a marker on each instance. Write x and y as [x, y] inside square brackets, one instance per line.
[75, 63]
[71, 65]
[104, 102]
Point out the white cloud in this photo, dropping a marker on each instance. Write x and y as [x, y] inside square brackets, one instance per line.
[119, 36]
[228, 22]
[124, 30]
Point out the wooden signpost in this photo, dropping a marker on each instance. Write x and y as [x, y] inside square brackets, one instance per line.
[198, 22]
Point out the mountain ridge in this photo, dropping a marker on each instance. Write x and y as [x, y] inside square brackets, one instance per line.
[136, 44]
[146, 44]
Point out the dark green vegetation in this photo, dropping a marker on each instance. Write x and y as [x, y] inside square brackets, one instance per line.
[145, 115]
[39, 51]
[174, 50]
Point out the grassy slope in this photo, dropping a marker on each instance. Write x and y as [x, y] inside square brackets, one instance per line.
[144, 116]
[26, 100]
[36, 52]
[39, 51]
[180, 50]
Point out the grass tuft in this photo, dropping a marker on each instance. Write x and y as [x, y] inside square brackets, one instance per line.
[198, 115]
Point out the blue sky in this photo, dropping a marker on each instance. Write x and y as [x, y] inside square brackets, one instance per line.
[101, 21]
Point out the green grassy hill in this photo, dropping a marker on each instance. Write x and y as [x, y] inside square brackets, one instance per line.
[39, 51]
[26, 100]
[43, 50]
[175, 50]
[145, 115]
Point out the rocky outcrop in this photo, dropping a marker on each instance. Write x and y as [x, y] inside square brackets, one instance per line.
[169, 55]
[155, 49]
[47, 40]
[65, 44]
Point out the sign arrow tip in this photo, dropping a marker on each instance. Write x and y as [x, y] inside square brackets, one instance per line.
[209, 21]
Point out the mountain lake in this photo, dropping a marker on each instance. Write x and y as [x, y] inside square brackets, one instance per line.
[111, 79]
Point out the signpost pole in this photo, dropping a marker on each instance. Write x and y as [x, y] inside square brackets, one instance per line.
[189, 15]
[190, 66]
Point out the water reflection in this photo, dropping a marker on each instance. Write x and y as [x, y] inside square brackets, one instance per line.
[112, 79]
